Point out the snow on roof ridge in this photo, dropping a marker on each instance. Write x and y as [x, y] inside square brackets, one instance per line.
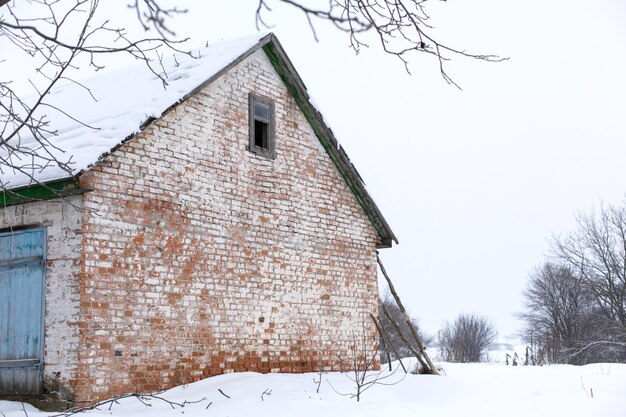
[122, 104]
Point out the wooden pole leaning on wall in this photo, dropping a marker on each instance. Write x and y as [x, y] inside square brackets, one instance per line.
[383, 334]
[382, 341]
[418, 356]
[424, 360]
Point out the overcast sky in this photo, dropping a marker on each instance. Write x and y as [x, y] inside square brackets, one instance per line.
[472, 182]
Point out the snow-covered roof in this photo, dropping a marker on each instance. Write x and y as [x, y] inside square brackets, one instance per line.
[122, 101]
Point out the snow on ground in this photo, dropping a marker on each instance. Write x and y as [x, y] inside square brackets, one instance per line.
[465, 390]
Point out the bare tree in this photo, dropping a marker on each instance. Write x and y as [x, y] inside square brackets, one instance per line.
[363, 367]
[466, 339]
[61, 37]
[596, 253]
[575, 303]
[575, 310]
[558, 314]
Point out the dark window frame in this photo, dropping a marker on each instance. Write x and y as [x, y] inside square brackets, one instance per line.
[254, 118]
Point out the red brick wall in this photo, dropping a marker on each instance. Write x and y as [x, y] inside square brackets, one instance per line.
[202, 258]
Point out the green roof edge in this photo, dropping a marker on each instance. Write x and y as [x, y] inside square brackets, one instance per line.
[41, 191]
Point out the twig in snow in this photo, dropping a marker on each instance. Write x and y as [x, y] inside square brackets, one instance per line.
[585, 389]
[222, 392]
[24, 408]
[193, 402]
[143, 398]
[319, 381]
[266, 393]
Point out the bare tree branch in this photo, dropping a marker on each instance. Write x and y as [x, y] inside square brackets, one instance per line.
[596, 343]
[402, 27]
[61, 37]
[144, 398]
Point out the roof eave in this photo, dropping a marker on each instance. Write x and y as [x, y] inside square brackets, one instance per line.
[58, 188]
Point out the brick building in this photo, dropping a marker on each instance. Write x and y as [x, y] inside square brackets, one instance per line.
[221, 229]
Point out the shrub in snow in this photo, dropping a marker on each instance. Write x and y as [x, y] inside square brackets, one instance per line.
[466, 339]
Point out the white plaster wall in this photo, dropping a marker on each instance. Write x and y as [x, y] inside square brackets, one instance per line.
[62, 219]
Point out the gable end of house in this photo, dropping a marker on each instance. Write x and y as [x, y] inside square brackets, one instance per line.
[290, 77]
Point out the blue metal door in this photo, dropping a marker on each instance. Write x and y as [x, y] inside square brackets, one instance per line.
[22, 275]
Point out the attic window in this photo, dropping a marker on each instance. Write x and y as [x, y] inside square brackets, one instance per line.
[261, 126]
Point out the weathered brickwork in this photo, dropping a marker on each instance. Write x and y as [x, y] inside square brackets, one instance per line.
[201, 257]
[62, 219]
